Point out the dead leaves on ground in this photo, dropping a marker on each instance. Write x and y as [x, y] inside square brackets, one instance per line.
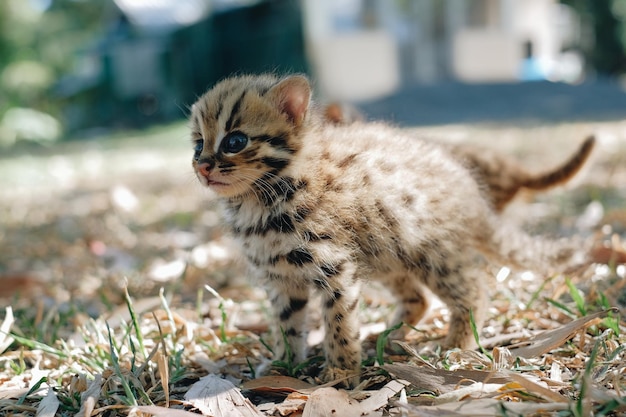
[542, 373]
[612, 252]
[519, 379]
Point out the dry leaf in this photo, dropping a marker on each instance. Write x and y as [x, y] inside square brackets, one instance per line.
[294, 403]
[276, 384]
[89, 398]
[12, 393]
[380, 398]
[473, 391]
[502, 358]
[5, 339]
[550, 339]
[441, 381]
[162, 271]
[217, 397]
[21, 284]
[537, 389]
[504, 339]
[164, 374]
[613, 253]
[484, 407]
[328, 401]
[49, 404]
[155, 410]
[415, 356]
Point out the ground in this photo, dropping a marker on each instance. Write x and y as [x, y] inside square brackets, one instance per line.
[106, 247]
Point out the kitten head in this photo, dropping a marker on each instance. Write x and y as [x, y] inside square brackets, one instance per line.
[246, 130]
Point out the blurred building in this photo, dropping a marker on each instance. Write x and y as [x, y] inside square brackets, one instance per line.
[157, 57]
[361, 49]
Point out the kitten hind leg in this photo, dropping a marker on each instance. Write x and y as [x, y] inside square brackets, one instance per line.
[462, 291]
[413, 303]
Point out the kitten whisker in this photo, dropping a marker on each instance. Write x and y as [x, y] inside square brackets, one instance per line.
[262, 185]
[265, 185]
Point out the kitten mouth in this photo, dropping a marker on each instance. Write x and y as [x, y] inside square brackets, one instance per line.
[210, 181]
[218, 184]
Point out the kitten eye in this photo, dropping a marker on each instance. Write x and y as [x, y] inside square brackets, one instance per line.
[197, 149]
[234, 142]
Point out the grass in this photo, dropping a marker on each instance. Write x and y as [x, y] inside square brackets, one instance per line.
[102, 311]
[383, 340]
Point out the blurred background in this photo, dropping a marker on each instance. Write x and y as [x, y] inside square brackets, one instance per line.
[79, 68]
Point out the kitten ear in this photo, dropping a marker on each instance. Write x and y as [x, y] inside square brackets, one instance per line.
[292, 95]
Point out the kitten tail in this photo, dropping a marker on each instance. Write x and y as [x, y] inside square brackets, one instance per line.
[564, 172]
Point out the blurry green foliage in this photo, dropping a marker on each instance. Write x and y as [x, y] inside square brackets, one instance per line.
[38, 44]
[606, 22]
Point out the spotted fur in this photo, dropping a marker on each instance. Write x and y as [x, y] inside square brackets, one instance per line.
[502, 176]
[325, 208]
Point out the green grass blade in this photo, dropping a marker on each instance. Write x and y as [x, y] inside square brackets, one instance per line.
[222, 308]
[585, 382]
[612, 320]
[562, 307]
[170, 317]
[308, 362]
[610, 408]
[535, 295]
[133, 350]
[577, 297]
[288, 352]
[267, 346]
[252, 370]
[603, 301]
[381, 341]
[130, 397]
[477, 336]
[135, 321]
[32, 390]
[33, 344]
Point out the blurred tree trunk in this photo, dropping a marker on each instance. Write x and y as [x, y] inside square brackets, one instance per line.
[607, 56]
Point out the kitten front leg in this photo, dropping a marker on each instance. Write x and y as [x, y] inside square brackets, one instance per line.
[342, 347]
[289, 305]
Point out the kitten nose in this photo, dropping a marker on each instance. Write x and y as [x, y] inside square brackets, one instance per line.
[205, 168]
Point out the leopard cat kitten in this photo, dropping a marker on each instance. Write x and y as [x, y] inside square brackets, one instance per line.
[319, 207]
[502, 176]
